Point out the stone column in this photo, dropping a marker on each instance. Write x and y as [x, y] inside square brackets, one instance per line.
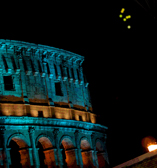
[78, 150]
[77, 156]
[94, 153]
[64, 73]
[55, 154]
[48, 86]
[69, 98]
[58, 152]
[1, 157]
[23, 80]
[94, 158]
[105, 153]
[30, 156]
[34, 149]
[4, 160]
[8, 156]
[1, 79]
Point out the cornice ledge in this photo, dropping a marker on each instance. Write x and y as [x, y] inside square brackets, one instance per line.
[42, 47]
[11, 120]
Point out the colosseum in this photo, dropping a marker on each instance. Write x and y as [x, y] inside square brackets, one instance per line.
[46, 116]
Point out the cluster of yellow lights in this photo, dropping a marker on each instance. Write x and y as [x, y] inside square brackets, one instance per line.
[152, 147]
[127, 17]
[122, 10]
[124, 19]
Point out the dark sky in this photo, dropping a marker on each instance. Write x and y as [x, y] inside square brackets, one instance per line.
[119, 63]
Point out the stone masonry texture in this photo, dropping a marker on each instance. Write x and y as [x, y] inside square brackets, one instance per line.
[46, 115]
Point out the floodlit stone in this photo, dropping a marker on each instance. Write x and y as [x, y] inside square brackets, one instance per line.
[46, 116]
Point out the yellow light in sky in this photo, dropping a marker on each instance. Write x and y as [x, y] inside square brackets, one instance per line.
[122, 10]
[129, 27]
[120, 16]
[124, 19]
[128, 17]
[152, 147]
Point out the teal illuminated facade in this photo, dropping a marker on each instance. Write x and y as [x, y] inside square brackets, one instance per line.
[46, 117]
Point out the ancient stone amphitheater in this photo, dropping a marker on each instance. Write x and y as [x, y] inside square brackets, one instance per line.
[46, 117]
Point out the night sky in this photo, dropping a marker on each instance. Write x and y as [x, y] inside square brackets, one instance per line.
[120, 63]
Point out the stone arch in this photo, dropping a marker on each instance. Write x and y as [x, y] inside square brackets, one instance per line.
[46, 151]
[87, 155]
[68, 152]
[44, 135]
[100, 148]
[85, 143]
[20, 135]
[19, 152]
[67, 143]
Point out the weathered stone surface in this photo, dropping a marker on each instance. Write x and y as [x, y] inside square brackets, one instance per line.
[45, 109]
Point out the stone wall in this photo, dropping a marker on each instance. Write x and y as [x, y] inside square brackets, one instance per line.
[46, 117]
[38, 72]
[74, 146]
[10, 109]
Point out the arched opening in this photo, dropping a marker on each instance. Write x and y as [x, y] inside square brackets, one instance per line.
[46, 153]
[19, 153]
[68, 153]
[100, 153]
[86, 154]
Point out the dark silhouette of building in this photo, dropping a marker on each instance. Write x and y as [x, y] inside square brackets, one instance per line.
[46, 117]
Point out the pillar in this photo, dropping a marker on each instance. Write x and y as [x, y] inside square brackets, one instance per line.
[94, 157]
[4, 160]
[78, 150]
[34, 149]
[94, 152]
[23, 80]
[58, 151]
[30, 156]
[106, 154]
[8, 155]
[55, 154]
[48, 86]
[1, 157]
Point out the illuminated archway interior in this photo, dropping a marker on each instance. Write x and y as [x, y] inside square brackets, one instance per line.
[46, 153]
[19, 153]
[86, 154]
[68, 153]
